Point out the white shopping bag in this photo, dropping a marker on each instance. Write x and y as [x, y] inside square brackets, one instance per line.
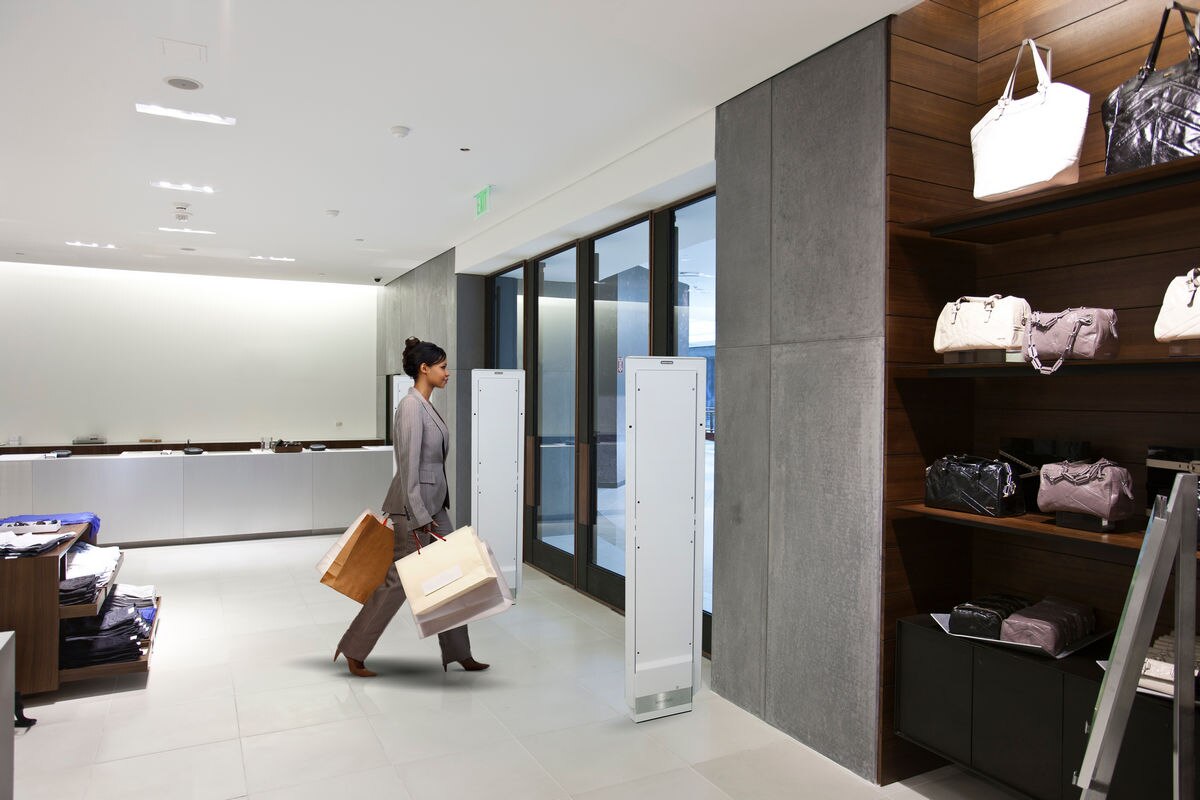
[453, 580]
[486, 600]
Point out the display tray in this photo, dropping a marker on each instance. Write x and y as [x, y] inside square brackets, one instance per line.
[943, 621]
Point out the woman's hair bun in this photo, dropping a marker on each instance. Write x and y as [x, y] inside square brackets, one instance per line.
[417, 353]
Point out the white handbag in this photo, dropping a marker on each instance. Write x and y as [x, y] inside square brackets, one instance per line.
[1021, 146]
[1179, 317]
[982, 323]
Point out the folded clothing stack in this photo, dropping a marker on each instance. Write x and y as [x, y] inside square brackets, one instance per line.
[139, 597]
[116, 634]
[983, 617]
[1052, 624]
[88, 570]
[1158, 671]
[18, 545]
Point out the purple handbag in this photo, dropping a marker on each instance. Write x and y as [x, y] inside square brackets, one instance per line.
[1103, 489]
[1079, 333]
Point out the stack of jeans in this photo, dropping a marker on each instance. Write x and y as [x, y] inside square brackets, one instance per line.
[116, 634]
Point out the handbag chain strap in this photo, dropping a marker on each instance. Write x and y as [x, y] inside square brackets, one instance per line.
[1093, 473]
[1033, 353]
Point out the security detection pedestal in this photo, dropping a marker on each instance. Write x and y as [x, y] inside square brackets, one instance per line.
[498, 464]
[664, 523]
[398, 386]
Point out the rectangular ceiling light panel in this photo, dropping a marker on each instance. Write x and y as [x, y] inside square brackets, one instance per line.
[190, 116]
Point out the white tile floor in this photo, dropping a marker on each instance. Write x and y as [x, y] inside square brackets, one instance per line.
[243, 702]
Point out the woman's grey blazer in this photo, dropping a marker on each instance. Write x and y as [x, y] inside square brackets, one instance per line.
[421, 440]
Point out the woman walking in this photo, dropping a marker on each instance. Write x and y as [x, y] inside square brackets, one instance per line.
[418, 502]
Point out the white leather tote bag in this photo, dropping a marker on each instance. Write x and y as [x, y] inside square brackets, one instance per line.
[1021, 146]
[1179, 317]
[982, 323]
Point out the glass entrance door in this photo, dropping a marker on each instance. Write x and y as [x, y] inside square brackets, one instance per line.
[554, 414]
[620, 328]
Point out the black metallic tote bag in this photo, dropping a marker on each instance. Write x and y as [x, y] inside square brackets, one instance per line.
[973, 485]
[1154, 117]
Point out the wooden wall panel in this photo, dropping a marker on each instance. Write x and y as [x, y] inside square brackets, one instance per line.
[1112, 286]
[933, 115]
[1162, 233]
[1121, 31]
[942, 27]
[1032, 18]
[934, 70]
[910, 155]
[911, 200]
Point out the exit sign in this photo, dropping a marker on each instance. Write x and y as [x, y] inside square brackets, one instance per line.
[483, 201]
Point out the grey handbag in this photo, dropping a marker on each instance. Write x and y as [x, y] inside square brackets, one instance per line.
[1103, 489]
[1080, 333]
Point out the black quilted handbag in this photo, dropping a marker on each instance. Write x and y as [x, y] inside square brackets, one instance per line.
[1154, 117]
[973, 485]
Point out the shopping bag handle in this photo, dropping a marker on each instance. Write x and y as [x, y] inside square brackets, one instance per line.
[417, 539]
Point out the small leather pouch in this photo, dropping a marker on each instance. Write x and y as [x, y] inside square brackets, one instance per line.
[984, 617]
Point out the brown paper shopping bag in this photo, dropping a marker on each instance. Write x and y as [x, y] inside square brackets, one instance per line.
[359, 560]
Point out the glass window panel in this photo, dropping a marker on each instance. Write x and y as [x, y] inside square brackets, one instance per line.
[508, 320]
[696, 333]
[555, 413]
[621, 314]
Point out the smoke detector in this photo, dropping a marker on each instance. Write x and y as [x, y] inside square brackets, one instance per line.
[183, 212]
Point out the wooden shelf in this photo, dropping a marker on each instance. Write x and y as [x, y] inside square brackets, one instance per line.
[1006, 370]
[120, 667]
[93, 608]
[1036, 524]
[1143, 192]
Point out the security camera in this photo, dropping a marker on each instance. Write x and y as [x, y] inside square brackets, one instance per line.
[377, 280]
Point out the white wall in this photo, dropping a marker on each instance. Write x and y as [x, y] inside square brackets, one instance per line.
[137, 354]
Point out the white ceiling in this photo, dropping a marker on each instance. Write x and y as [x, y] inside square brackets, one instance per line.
[543, 93]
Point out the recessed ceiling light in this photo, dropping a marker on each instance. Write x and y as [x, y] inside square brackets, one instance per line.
[272, 258]
[400, 131]
[182, 187]
[187, 84]
[186, 230]
[92, 244]
[190, 116]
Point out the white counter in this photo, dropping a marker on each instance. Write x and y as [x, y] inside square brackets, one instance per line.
[155, 497]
